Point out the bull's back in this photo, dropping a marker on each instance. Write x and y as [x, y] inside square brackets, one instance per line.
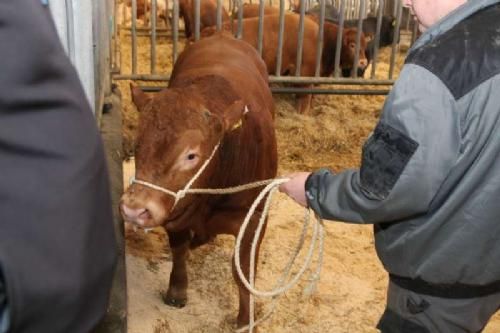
[250, 152]
[290, 37]
[229, 58]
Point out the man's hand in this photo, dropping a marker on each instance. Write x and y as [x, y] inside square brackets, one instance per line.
[295, 187]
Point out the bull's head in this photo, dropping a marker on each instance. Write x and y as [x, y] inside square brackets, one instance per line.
[349, 51]
[177, 133]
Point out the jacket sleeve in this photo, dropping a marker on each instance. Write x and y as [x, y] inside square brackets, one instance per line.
[404, 161]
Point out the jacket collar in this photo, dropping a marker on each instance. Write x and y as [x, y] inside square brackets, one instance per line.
[450, 20]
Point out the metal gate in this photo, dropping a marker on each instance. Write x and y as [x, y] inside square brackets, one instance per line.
[130, 33]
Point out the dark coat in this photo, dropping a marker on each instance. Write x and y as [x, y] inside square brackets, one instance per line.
[57, 245]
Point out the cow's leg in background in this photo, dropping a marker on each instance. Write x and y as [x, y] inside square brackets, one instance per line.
[304, 101]
[177, 286]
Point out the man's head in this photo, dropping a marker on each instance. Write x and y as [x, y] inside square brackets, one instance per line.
[429, 12]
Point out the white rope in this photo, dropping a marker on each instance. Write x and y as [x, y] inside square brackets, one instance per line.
[280, 287]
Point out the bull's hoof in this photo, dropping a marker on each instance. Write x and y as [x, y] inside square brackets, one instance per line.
[175, 302]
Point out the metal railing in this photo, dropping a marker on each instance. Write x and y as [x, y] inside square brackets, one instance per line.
[348, 10]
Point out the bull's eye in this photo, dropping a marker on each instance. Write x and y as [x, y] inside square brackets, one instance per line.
[191, 157]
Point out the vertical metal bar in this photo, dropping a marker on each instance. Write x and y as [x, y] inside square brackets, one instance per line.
[338, 46]
[260, 35]
[319, 46]
[240, 19]
[134, 36]
[219, 15]
[395, 8]
[408, 18]
[361, 14]
[175, 29]
[196, 20]
[377, 38]
[153, 36]
[300, 41]
[279, 55]
[395, 40]
[414, 31]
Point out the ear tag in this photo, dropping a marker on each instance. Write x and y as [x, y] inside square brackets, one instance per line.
[240, 122]
[237, 125]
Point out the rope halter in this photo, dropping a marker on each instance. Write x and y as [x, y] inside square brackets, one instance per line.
[187, 189]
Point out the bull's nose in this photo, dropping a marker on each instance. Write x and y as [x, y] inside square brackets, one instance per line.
[363, 63]
[134, 214]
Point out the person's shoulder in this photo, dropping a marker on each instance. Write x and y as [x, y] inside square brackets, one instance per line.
[466, 55]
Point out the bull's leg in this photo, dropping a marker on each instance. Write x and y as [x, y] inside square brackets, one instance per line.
[177, 286]
[245, 249]
[229, 222]
[304, 101]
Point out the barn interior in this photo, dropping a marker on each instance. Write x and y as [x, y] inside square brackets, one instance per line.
[143, 42]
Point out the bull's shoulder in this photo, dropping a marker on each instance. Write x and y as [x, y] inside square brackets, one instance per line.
[472, 46]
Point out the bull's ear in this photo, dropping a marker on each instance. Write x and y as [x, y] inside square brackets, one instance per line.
[139, 98]
[233, 115]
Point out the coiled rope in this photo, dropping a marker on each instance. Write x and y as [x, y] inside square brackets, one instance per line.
[281, 286]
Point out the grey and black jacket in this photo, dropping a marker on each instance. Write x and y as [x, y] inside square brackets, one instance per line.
[430, 174]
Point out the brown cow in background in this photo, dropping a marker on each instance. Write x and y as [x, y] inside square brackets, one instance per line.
[289, 58]
[208, 15]
[252, 10]
[213, 82]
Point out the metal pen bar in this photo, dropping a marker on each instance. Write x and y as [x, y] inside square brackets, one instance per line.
[260, 35]
[134, 36]
[175, 29]
[300, 42]
[275, 79]
[338, 46]
[395, 40]
[321, 32]
[295, 90]
[377, 38]
[414, 32]
[219, 15]
[358, 39]
[196, 20]
[279, 55]
[240, 19]
[153, 36]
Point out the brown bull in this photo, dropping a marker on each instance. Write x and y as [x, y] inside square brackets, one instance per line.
[252, 10]
[213, 82]
[289, 57]
[208, 15]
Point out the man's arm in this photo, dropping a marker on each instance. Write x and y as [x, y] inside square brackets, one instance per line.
[404, 161]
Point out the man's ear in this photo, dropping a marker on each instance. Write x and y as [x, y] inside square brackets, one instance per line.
[234, 114]
[139, 98]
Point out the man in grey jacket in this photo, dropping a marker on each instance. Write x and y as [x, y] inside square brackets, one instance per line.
[57, 245]
[429, 179]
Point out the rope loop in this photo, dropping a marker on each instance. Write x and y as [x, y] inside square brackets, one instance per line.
[282, 285]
